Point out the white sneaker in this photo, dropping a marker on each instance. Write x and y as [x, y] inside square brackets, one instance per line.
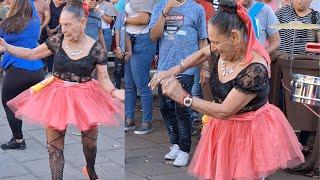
[174, 150]
[182, 159]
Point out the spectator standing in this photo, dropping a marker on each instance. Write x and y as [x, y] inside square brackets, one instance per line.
[137, 69]
[94, 23]
[108, 14]
[180, 27]
[262, 17]
[20, 28]
[43, 11]
[52, 28]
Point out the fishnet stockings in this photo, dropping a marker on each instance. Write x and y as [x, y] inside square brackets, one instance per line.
[55, 142]
[89, 143]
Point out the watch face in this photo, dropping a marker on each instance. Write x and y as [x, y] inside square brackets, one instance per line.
[188, 101]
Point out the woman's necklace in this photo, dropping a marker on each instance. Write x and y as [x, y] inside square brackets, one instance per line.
[226, 71]
[72, 52]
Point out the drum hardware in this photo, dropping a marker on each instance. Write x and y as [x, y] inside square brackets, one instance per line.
[305, 89]
[296, 25]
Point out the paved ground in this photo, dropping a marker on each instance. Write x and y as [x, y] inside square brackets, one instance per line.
[32, 163]
[144, 156]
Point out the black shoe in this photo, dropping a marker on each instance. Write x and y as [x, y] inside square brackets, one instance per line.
[129, 125]
[144, 128]
[13, 144]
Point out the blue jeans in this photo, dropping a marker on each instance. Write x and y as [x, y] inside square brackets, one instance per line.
[177, 117]
[136, 77]
[197, 92]
[107, 34]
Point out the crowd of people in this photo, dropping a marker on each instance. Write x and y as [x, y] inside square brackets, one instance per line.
[54, 56]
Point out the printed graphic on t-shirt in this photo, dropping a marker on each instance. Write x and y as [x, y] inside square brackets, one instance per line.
[173, 24]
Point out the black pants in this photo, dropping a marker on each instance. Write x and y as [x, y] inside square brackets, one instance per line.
[118, 72]
[177, 117]
[16, 81]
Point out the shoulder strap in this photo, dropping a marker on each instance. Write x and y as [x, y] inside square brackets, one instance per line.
[254, 11]
[314, 17]
[314, 21]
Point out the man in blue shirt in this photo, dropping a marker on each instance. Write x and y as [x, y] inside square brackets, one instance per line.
[180, 27]
[262, 17]
[94, 24]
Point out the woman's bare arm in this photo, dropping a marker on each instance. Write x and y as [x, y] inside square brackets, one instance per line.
[26, 53]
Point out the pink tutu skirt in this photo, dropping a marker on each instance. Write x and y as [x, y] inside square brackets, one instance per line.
[246, 147]
[61, 103]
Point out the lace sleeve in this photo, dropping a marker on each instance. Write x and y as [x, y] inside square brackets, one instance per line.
[99, 55]
[54, 42]
[252, 79]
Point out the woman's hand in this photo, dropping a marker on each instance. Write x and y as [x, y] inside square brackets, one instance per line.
[172, 88]
[158, 78]
[123, 55]
[119, 94]
[51, 32]
[3, 45]
[127, 56]
[119, 53]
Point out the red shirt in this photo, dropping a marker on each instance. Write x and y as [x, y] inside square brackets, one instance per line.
[208, 8]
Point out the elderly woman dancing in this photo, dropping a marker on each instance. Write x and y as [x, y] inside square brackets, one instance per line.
[246, 137]
[71, 96]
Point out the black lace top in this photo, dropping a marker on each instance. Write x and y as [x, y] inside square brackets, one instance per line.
[251, 80]
[80, 70]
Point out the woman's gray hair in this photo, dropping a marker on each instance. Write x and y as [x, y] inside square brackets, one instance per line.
[75, 7]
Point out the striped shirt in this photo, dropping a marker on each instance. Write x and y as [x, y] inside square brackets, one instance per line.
[287, 14]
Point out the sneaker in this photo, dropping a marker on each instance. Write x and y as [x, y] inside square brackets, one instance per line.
[129, 125]
[13, 144]
[174, 150]
[182, 159]
[144, 128]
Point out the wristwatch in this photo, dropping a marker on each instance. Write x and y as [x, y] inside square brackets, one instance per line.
[187, 100]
